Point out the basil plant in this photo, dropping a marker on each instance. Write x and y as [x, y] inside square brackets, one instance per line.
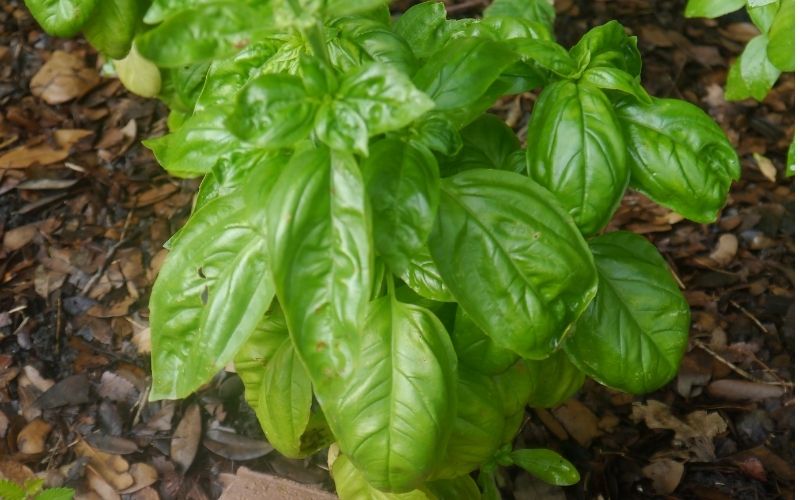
[392, 274]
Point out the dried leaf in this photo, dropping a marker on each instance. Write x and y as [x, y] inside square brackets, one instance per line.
[726, 249]
[766, 167]
[73, 390]
[666, 475]
[743, 390]
[143, 476]
[16, 238]
[186, 438]
[44, 154]
[31, 439]
[112, 468]
[235, 447]
[696, 433]
[62, 78]
[579, 421]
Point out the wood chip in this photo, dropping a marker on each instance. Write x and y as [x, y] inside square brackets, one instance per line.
[666, 475]
[743, 390]
[726, 249]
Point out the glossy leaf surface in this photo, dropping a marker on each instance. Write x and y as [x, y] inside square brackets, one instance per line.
[634, 333]
[712, 8]
[61, 17]
[476, 350]
[781, 37]
[679, 156]
[113, 24]
[752, 75]
[547, 465]
[487, 143]
[554, 380]
[576, 150]
[512, 257]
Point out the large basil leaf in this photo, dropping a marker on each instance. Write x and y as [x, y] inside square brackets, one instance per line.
[781, 37]
[541, 11]
[403, 184]
[712, 8]
[487, 143]
[61, 17]
[273, 111]
[752, 75]
[371, 100]
[397, 411]
[211, 292]
[608, 46]
[113, 24]
[513, 258]
[321, 257]
[358, 41]
[352, 485]
[184, 85]
[679, 156]
[476, 350]
[616, 82]
[634, 333]
[546, 54]
[462, 71]
[477, 432]
[504, 28]
[426, 28]
[462, 488]
[547, 465]
[576, 150]
[202, 33]
[253, 357]
[514, 386]
[554, 379]
[424, 277]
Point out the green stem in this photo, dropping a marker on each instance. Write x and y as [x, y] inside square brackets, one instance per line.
[390, 284]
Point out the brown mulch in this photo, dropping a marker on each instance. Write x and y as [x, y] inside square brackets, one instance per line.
[84, 211]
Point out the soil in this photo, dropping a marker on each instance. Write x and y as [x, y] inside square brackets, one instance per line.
[85, 211]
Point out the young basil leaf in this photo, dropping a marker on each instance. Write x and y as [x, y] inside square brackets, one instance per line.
[503, 28]
[752, 75]
[202, 33]
[634, 333]
[712, 8]
[616, 80]
[209, 297]
[396, 413]
[462, 71]
[424, 277]
[488, 485]
[781, 37]
[186, 84]
[478, 426]
[113, 24]
[403, 185]
[476, 350]
[501, 235]
[321, 257]
[351, 484]
[576, 150]
[541, 11]
[426, 28]
[372, 100]
[437, 133]
[253, 357]
[194, 148]
[555, 380]
[61, 17]
[359, 41]
[547, 465]
[679, 156]
[487, 143]
[763, 13]
[546, 54]
[138, 75]
[608, 46]
[273, 111]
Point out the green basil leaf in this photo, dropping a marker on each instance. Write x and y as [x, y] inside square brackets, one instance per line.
[337, 8]
[555, 380]
[576, 150]
[462, 488]
[488, 485]
[617, 80]
[501, 235]
[253, 357]
[478, 426]
[438, 133]
[608, 46]
[194, 148]
[321, 257]
[503, 28]
[462, 71]
[424, 277]
[138, 75]
[541, 11]
[752, 75]
[61, 17]
[355, 42]
[186, 84]
[403, 185]
[209, 297]
[284, 405]
[763, 13]
[395, 416]
[351, 484]
[426, 28]
[781, 37]
[11, 491]
[113, 24]
[712, 8]
[679, 157]
[514, 386]
[634, 333]
[547, 465]
[546, 54]
[202, 33]
[790, 161]
[372, 100]
[273, 111]
[476, 350]
[487, 143]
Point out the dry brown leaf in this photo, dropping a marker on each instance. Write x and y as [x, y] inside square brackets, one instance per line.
[31, 439]
[44, 153]
[186, 438]
[14, 471]
[146, 494]
[16, 238]
[119, 308]
[143, 476]
[116, 388]
[726, 249]
[696, 433]
[73, 390]
[578, 420]
[235, 447]
[3, 425]
[766, 167]
[743, 390]
[666, 475]
[112, 468]
[99, 484]
[62, 78]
